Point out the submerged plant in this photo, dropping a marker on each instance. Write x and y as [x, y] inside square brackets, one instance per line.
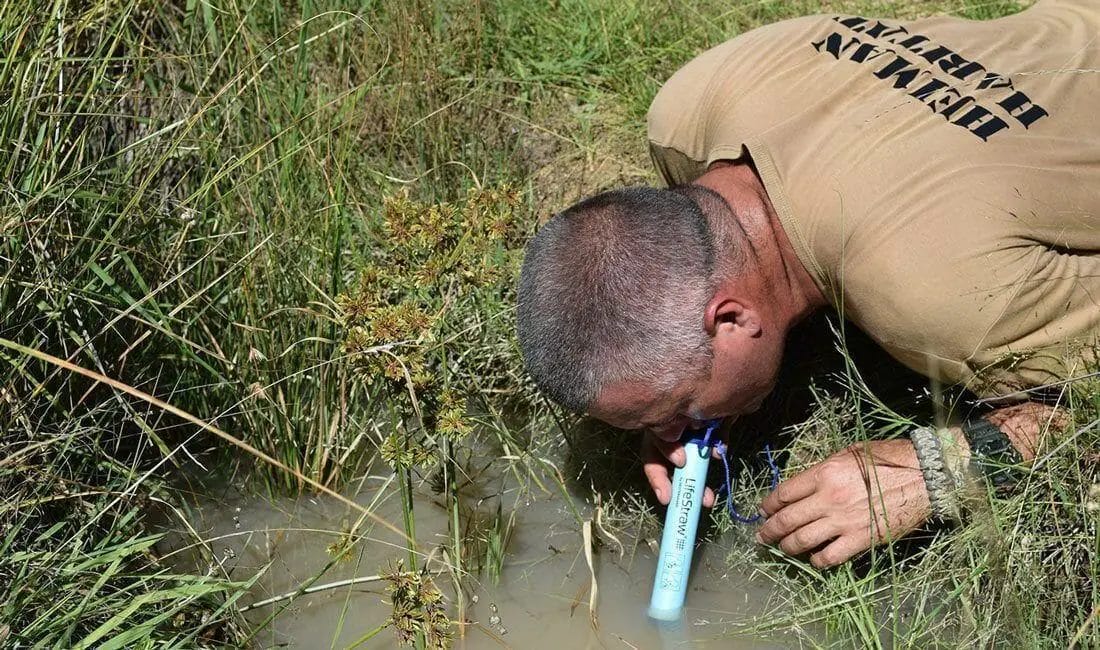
[428, 330]
[419, 617]
[342, 549]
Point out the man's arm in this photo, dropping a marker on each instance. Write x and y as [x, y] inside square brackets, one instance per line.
[874, 492]
[1025, 423]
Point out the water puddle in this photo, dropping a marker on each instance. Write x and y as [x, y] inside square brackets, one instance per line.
[541, 599]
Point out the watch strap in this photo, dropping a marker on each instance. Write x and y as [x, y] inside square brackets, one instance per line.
[992, 454]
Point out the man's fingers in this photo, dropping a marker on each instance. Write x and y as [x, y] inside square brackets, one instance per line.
[809, 537]
[658, 455]
[793, 489]
[673, 451]
[840, 551]
[658, 477]
[790, 518]
[656, 472]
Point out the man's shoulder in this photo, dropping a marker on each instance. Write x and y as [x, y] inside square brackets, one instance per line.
[706, 85]
[742, 53]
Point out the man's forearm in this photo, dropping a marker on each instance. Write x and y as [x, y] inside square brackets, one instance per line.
[1025, 425]
[1022, 426]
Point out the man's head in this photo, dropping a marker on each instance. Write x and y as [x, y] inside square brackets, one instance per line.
[642, 307]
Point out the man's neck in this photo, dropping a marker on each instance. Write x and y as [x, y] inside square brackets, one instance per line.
[796, 293]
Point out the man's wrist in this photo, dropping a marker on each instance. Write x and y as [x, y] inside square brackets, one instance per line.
[956, 456]
[993, 456]
[937, 467]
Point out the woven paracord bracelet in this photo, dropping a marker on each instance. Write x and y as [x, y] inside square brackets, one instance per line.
[956, 460]
[941, 487]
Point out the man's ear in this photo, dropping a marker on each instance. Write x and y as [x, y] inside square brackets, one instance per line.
[725, 310]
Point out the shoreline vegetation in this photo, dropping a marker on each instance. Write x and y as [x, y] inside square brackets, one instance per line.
[298, 224]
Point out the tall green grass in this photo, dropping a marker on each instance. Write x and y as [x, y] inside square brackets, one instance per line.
[193, 195]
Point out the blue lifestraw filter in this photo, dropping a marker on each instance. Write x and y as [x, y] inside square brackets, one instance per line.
[681, 524]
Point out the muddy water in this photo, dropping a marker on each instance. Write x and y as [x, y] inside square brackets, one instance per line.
[540, 601]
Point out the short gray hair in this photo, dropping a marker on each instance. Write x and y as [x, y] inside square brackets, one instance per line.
[615, 288]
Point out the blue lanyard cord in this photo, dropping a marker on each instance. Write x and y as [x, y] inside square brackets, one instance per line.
[728, 487]
[704, 448]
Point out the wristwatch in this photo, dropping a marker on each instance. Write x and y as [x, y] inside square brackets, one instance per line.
[992, 454]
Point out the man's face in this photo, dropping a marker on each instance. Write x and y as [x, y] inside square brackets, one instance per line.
[742, 373]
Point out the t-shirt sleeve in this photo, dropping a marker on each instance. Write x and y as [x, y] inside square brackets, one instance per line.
[674, 167]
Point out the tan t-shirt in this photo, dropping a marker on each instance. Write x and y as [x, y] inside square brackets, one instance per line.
[939, 178]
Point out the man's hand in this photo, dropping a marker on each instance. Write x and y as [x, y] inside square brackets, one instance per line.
[827, 510]
[659, 457]
[866, 494]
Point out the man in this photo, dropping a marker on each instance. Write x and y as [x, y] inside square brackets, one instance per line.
[936, 182]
